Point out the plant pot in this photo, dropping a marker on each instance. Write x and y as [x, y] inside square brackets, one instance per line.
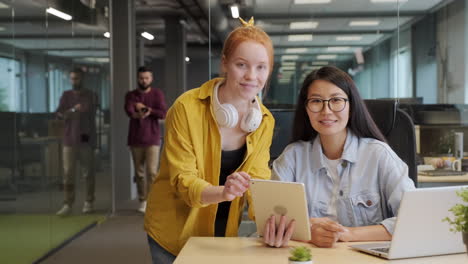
[301, 262]
[465, 240]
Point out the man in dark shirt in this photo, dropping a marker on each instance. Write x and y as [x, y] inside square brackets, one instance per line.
[145, 106]
[77, 108]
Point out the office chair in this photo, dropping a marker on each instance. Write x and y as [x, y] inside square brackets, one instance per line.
[398, 129]
[13, 154]
[282, 133]
[9, 149]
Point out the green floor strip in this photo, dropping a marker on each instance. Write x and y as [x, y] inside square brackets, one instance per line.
[26, 238]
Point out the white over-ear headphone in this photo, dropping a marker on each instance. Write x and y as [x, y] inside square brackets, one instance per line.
[226, 115]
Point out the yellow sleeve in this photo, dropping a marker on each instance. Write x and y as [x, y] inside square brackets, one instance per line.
[261, 170]
[181, 159]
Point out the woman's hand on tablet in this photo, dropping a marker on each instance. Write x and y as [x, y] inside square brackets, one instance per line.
[236, 185]
[325, 232]
[278, 237]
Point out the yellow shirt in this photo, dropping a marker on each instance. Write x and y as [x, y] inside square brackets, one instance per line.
[190, 162]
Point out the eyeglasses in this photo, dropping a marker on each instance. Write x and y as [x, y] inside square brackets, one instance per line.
[336, 104]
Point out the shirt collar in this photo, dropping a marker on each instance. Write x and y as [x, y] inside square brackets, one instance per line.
[349, 151]
[206, 90]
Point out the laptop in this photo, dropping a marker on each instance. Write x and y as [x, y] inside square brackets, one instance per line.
[419, 229]
[281, 198]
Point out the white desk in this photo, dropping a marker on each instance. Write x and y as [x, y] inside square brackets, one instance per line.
[431, 181]
[244, 250]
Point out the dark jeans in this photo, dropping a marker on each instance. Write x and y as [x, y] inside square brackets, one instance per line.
[159, 254]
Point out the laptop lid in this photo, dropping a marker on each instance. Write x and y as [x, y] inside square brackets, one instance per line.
[419, 229]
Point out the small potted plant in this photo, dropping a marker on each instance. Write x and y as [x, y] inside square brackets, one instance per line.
[460, 221]
[300, 255]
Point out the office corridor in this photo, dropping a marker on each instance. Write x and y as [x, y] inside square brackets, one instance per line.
[120, 239]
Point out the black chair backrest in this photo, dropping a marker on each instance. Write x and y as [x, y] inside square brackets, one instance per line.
[398, 128]
[9, 141]
[282, 134]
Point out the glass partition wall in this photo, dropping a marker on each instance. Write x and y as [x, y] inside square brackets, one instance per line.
[41, 166]
[410, 51]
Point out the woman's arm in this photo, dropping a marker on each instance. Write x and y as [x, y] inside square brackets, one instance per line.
[184, 174]
[179, 155]
[236, 185]
[365, 233]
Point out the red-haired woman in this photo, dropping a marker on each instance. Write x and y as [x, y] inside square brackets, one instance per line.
[218, 136]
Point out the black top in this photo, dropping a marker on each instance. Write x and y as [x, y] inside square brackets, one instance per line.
[230, 161]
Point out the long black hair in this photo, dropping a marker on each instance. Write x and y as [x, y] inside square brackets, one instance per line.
[360, 121]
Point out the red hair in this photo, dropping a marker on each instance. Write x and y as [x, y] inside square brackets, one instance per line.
[248, 33]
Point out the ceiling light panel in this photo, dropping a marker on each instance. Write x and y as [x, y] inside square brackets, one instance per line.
[326, 57]
[147, 35]
[337, 49]
[288, 68]
[307, 2]
[364, 23]
[349, 38]
[303, 25]
[296, 50]
[286, 63]
[235, 11]
[289, 57]
[387, 1]
[320, 63]
[58, 13]
[305, 37]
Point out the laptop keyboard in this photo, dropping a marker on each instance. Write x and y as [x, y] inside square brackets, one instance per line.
[384, 250]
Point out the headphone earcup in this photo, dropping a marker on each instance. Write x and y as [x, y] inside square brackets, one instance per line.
[226, 115]
[251, 121]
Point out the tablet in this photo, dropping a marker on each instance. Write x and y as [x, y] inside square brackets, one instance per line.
[281, 198]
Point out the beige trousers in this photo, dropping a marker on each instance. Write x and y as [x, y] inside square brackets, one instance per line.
[71, 155]
[145, 161]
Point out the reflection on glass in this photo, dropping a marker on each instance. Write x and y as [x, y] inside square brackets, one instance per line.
[77, 108]
[410, 50]
[37, 52]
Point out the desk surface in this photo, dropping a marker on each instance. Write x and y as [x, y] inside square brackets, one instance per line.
[460, 178]
[243, 250]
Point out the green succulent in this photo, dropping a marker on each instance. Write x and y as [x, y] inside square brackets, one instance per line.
[301, 253]
[460, 211]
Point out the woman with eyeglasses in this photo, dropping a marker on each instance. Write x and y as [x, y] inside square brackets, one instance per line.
[354, 181]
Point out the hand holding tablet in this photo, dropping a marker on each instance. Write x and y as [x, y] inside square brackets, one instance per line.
[286, 201]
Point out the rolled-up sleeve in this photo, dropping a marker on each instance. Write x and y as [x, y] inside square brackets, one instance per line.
[395, 182]
[283, 166]
[183, 173]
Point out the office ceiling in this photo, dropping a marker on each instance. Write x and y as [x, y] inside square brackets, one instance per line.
[326, 28]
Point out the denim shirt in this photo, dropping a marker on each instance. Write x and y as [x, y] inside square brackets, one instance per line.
[372, 180]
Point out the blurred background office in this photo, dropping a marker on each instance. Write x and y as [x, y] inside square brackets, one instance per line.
[411, 51]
